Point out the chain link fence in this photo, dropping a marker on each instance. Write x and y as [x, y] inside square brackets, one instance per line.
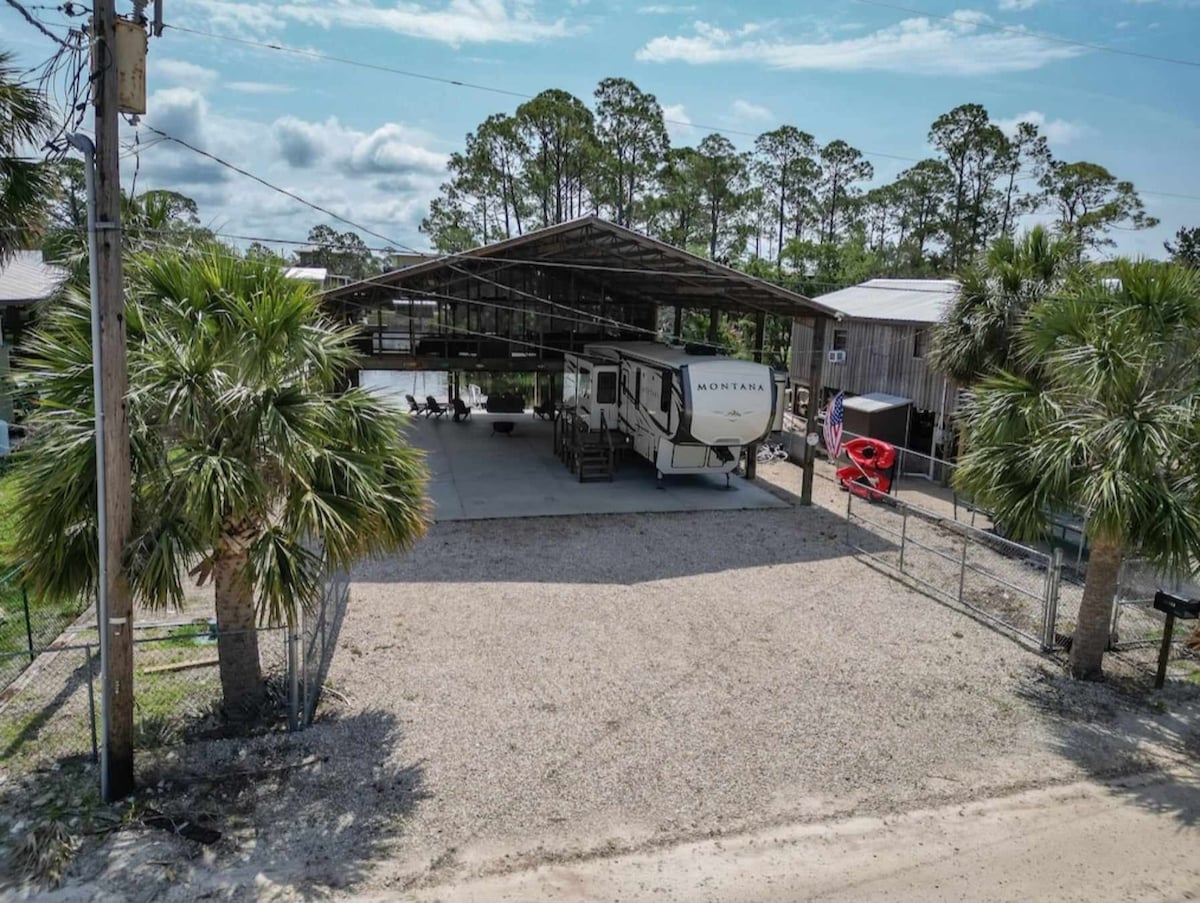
[50, 709]
[28, 624]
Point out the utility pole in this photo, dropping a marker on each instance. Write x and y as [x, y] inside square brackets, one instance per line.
[116, 779]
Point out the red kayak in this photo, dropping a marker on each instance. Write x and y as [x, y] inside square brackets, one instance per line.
[870, 476]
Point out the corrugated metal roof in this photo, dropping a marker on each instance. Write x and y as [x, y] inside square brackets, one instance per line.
[910, 300]
[875, 401]
[25, 278]
[307, 274]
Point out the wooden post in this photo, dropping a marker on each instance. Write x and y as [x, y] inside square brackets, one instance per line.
[816, 360]
[760, 336]
[714, 325]
[678, 323]
[118, 706]
[1164, 652]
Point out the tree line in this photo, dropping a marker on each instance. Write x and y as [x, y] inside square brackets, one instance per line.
[790, 202]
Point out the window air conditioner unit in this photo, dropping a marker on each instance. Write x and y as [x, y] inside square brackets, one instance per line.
[837, 357]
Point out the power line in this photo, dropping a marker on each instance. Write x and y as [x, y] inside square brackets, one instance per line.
[1025, 32]
[458, 83]
[36, 23]
[380, 235]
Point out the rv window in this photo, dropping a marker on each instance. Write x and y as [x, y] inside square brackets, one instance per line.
[664, 400]
[637, 385]
[606, 387]
[585, 383]
[841, 338]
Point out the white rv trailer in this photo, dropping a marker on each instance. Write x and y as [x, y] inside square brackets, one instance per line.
[684, 412]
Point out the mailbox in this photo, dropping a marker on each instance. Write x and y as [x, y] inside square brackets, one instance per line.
[1174, 607]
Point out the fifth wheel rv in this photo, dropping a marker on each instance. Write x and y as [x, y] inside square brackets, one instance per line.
[683, 412]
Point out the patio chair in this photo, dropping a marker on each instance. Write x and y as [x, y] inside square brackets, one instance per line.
[414, 406]
[461, 411]
[432, 407]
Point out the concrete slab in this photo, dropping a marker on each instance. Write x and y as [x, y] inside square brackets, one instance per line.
[477, 474]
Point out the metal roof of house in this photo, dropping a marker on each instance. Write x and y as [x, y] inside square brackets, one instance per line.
[909, 300]
[307, 274]
[26, 278]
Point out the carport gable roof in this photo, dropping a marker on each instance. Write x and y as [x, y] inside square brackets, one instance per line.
[625, 262]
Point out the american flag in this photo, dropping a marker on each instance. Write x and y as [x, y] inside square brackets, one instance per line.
[834, 416]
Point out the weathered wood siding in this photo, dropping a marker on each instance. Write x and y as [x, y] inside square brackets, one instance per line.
[879, 358]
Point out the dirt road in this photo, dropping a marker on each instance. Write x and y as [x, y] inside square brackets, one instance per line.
[1131, 840]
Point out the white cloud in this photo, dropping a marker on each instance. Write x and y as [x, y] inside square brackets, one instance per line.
[382, 176]
[917, 45]
[179, 72]
[453, 22]
[1017, 4]
[1057, 131]
[391, 149]
[259, 87]
[664, 9]
[744, 109]
[678, 123]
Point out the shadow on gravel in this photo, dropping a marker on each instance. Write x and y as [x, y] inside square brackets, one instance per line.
[303, 815]
[1120, 729]
[622, 548]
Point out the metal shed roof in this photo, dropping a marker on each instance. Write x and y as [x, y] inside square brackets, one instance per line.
[621, 259]
[908, 300]
[26, 278]
[875, 401]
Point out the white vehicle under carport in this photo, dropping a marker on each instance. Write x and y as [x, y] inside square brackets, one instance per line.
[686, 413]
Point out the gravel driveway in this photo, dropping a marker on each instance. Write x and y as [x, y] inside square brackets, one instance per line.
[587, 684]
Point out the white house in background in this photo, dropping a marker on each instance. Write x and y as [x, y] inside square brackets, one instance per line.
[880, 344]
[25, 280]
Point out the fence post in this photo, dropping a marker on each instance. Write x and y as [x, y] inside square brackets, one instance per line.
[293, 679]
[87, 657]
[1116, 615]
[903, 533]
[962, 569]
[1050, 603]
[28, 622]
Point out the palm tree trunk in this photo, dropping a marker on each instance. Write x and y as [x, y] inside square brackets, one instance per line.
[237, 642]
[1091, 636]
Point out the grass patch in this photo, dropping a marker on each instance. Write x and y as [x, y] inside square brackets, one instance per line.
[47, 617]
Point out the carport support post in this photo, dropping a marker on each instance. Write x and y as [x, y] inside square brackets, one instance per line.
[678, 323]
[815, 390]
[714, 325]
[760, 336]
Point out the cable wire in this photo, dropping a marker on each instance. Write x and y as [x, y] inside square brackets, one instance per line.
[1025, 32]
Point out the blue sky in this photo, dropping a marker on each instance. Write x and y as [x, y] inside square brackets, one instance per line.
[372, 145]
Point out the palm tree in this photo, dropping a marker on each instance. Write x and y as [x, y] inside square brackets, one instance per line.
[247, 452]
[25, 185]
[1101, 414]
[977, 334]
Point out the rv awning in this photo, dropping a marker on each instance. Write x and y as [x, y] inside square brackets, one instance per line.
[873, 402]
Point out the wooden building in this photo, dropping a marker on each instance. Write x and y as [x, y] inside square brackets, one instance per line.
[880, 343]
